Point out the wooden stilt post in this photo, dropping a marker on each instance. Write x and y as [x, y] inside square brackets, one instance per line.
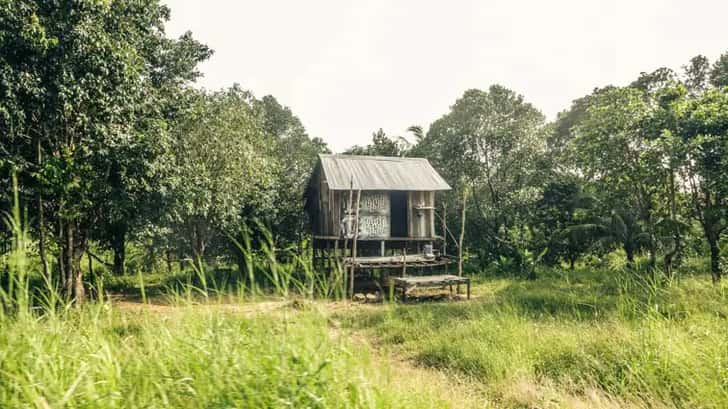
[462, 232]
[462, 237]
[404, 261]
[327, 259]
[444, 232]
[314, 255]
[444, 228]
[336, 255]
[404, 271]
[347, 227]
[353, 247]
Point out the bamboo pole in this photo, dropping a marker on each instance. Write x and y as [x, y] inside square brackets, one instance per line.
[444, 231]
[444, 228]
[347, 224]
[462, 233]
[356, 237]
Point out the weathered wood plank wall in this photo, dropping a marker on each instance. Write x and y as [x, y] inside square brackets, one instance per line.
[375, 217]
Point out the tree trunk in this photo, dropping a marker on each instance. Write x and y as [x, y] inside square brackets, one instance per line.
[74, 245]
[168, 258]
[67, 238]
[198, 243]
[118, 245]
[79, 293]
[61, 254]
[95, 291]
[41, 237]
[181, 261]
[714, 258]
[571, 263]
[653, 257]
[630, 256]
[673, 257]
[41, 221]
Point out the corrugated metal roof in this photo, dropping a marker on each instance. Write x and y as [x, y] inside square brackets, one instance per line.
[380, 173]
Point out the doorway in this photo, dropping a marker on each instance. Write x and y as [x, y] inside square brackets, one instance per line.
[398, 214]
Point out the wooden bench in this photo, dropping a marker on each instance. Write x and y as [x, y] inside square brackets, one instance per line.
[409, 283]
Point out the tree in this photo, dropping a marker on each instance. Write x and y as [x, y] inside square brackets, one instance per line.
[135, 197]
[719, 72]
[662, 128]
[222, 162]
[296, 154]
[382, 145]
[77, 89]
[706, 131]
[417, 132]
[561, 135]
[655, 80]
[696, 75]
[563, 206]
[494, 142]
[615, 152]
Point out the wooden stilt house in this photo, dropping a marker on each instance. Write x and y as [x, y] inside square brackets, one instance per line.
[373, 212]
[397, 199]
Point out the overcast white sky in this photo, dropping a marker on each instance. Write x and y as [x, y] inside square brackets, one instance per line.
[347, 68]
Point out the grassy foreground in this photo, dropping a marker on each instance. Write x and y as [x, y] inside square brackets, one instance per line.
[569, 339]
[573, 340]
[187, 357]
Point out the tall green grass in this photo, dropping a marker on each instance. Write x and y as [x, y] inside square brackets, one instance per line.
[99, 355]
[265, 276]
[570, 334]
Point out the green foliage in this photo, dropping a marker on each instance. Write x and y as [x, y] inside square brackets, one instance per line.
[84, 87]
[382, 145]
[719, 72]
[561, 221]
[221, 161]
[296, 154]
[491, 141]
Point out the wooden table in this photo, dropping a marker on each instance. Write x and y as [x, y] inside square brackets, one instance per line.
[409, 283]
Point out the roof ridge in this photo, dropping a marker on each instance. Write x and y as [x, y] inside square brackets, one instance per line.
[369, 157]
[380, 173]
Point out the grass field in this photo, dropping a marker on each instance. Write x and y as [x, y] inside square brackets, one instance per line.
[568, 339]
[188, 357]
[572, 340]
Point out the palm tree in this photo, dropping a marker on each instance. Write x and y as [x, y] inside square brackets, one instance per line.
[621, 228]
[417, 132]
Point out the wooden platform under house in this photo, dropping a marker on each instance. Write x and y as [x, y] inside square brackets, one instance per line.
[374, 212]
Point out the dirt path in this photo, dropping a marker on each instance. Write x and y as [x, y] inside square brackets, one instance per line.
[247, 309]
[401, 373]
